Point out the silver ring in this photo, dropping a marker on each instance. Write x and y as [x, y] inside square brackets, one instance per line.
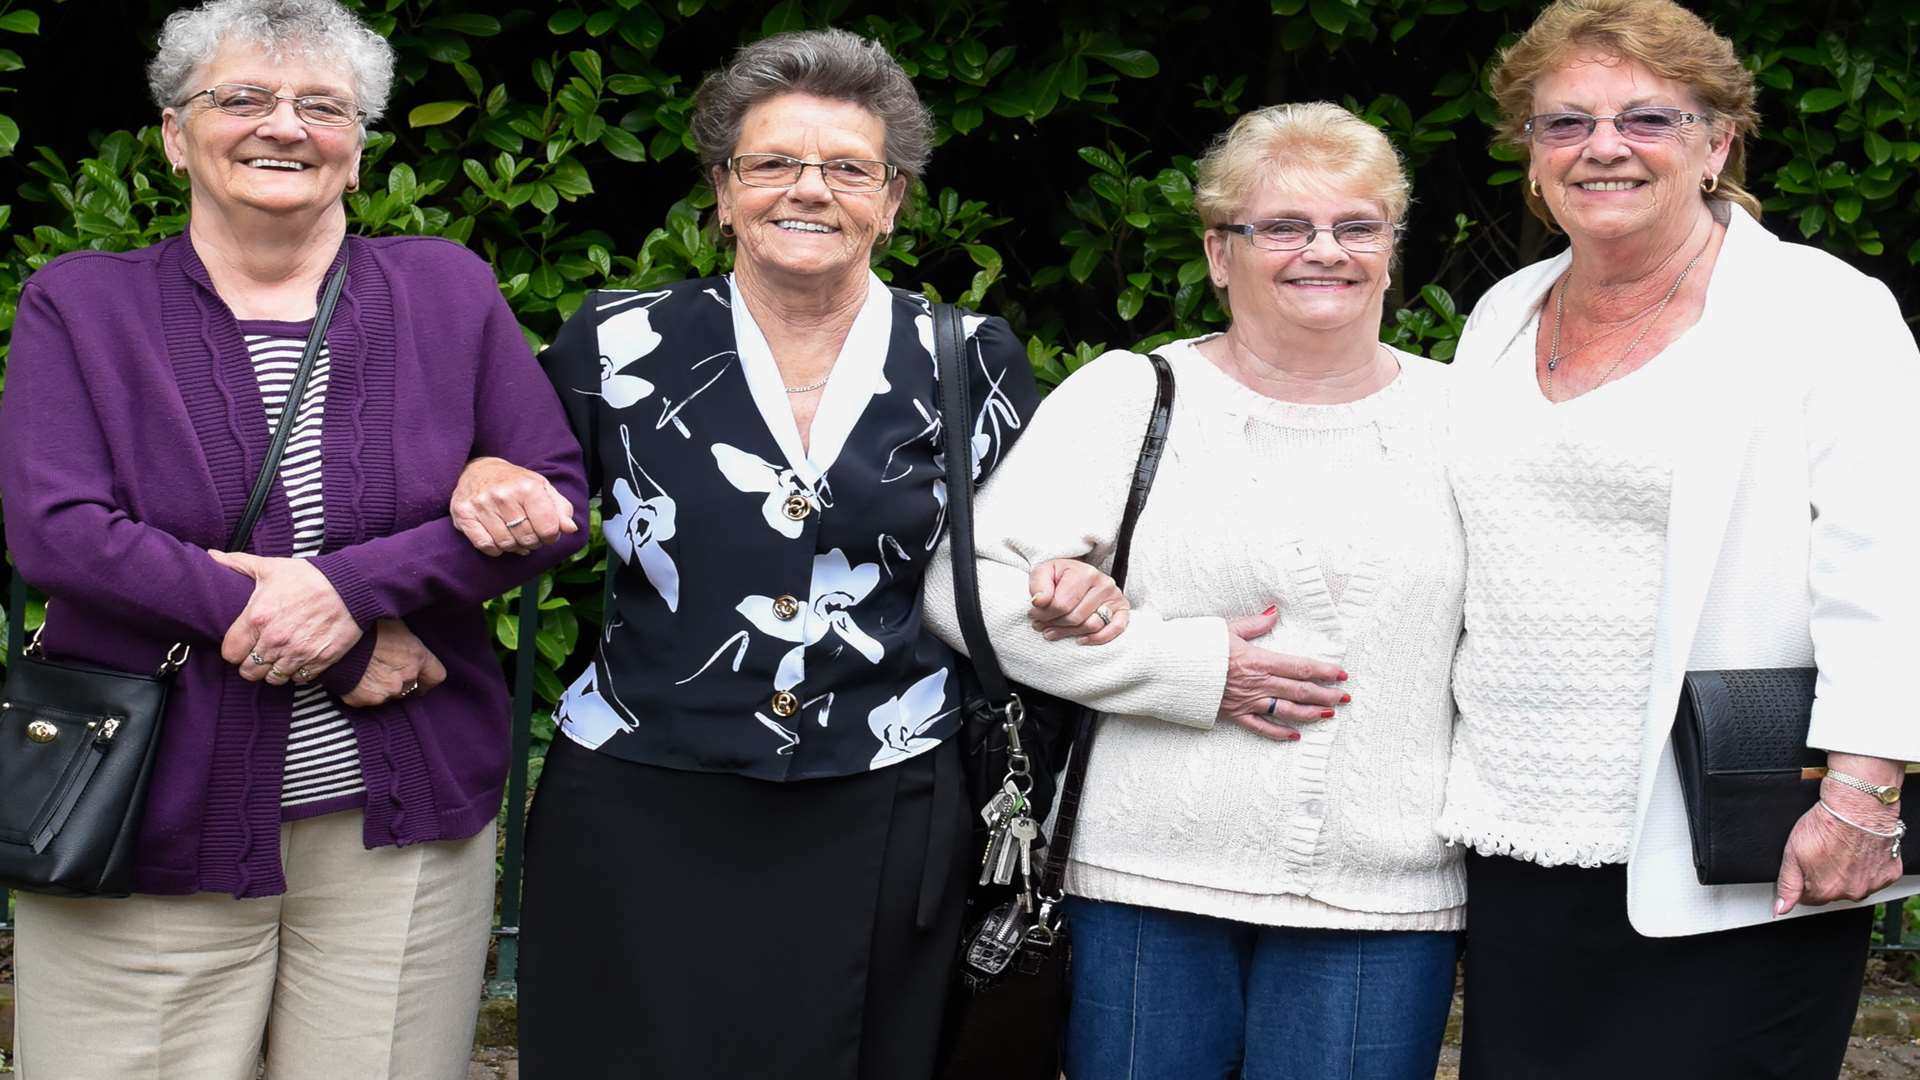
[517, 522]
[1105, 613]
[410, 687]
[1272, 704]
[256, 658]
[302, 675]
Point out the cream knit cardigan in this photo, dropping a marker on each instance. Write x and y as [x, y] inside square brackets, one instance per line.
[1337, 829]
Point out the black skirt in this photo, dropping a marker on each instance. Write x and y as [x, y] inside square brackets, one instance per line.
[1559, 986]
[706, 925]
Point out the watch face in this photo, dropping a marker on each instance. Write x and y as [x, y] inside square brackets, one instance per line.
[1889, 795]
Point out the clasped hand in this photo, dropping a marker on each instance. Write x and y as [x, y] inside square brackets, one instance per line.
[295, 627]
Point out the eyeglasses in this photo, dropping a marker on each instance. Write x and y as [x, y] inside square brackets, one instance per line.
[253, 102]
[840, 174]
[1649, 124]
[1292, 234]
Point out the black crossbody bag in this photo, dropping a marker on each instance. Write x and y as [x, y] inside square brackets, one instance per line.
[1008, 1009]
[77, 741]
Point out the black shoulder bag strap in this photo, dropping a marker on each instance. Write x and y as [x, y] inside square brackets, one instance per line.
[950, 349]
[277, 446]
[1052, 887]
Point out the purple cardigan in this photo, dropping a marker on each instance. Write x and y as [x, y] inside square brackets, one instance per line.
[130, 431]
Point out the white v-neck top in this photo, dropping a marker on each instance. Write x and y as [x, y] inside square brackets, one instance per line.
[857, 375]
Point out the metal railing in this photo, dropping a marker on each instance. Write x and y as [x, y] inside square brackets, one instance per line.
[506, 928]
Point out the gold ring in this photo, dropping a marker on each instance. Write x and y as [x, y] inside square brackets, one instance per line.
[1105, 613]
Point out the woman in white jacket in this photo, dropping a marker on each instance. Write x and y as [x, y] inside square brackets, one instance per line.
[1257, 887]
[1682, 446]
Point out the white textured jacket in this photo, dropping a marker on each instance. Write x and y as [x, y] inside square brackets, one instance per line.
[1793, 536]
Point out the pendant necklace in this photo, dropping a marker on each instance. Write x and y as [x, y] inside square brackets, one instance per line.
[1560, 311]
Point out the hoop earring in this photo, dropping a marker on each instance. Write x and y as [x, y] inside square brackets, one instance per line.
[1710, 185]
[179, 169]
[1533, 186]
[726, 228]
[353, 184]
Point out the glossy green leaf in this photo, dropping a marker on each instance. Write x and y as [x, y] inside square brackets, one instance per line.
[474, 25]
[1130, 302]
[1133, 63]
[1822, 99]
[20, 22]
[435, 112]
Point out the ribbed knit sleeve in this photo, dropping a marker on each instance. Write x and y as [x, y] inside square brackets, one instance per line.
[66, 531]
[1060, 494]
[516, 417]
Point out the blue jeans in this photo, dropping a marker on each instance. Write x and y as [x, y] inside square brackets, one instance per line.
[1165, 994]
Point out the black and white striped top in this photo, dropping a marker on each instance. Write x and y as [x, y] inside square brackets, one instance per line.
[323, 763]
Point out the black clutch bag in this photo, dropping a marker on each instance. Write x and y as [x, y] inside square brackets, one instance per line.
[1746, 773]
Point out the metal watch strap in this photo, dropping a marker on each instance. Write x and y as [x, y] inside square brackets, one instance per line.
[1888, 794]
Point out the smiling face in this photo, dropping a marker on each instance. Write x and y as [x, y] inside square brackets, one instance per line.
[1610, 187]
[276, 163]
[1320, 287]
[809, 230]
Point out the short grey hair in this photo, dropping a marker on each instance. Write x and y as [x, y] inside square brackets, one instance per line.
[319, 29]
[831, 64]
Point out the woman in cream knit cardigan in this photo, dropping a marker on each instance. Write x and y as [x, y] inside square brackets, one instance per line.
[1259, 809]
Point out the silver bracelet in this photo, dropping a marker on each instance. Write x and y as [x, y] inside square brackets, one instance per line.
[1899, 829]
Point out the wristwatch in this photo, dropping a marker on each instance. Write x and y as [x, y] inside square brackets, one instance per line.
[1888, 794]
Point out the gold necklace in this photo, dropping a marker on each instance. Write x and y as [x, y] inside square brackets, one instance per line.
[1560, 311]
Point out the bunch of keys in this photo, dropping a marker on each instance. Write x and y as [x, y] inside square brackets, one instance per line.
[1011, 833]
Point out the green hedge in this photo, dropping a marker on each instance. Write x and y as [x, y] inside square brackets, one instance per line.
[552, 140]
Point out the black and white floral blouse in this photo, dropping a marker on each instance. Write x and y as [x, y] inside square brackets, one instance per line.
[763, 613]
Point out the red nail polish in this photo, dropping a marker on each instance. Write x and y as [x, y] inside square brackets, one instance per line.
[1271, 609]
[1326, 714]
[1346, 699]
[1343, 676]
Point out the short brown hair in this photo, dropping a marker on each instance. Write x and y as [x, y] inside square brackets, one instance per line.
[1659, 35]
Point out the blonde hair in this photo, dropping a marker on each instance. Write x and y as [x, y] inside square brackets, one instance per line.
[1659, 35]
[1312, 145]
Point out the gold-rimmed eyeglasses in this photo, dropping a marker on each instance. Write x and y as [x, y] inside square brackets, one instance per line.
[1292, 234]
[253, 102]
[840, 174]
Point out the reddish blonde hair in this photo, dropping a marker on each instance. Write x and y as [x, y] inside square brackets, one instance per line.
[1659, 35]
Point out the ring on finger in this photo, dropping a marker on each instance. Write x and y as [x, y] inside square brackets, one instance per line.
[410, 688]
[256, 659]
[1106, 614]
[302, 675]
[1272, 704]
[516, 522]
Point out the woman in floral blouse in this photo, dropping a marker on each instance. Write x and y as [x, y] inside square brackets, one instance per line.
[747, 855]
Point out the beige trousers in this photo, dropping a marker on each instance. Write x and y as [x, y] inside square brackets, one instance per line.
[369, 966]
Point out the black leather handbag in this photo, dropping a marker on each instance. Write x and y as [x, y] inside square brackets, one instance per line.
[1006, 730]
[77, 742]
[1006, 1015]
[1746, 772]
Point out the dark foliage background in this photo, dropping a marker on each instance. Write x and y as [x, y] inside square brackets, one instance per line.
[550, 138]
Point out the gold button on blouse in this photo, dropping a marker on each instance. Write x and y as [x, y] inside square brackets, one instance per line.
[785, 704]
[786, 607]
[796, 507]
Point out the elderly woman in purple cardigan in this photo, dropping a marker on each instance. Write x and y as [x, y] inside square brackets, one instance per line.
[315, 868]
